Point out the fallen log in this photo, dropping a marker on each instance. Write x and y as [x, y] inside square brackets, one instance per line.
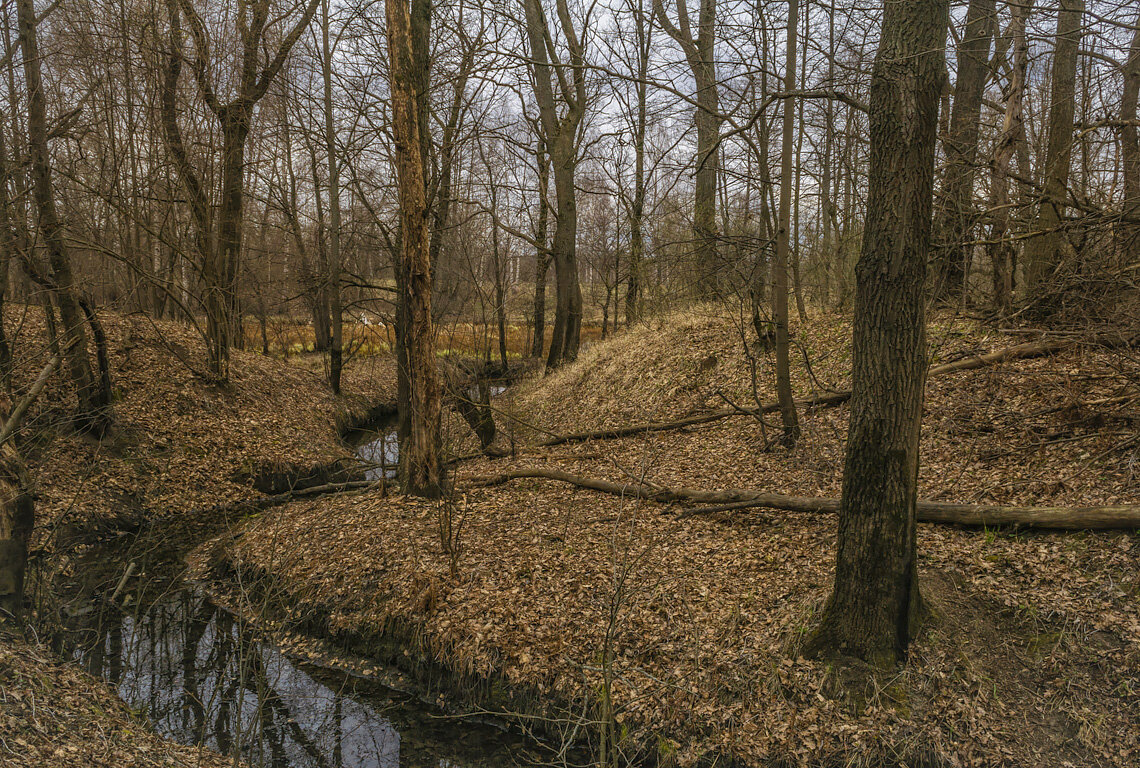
[1123, 516]
[1017, 352]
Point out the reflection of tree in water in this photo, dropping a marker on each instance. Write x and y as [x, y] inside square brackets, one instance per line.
[203, 678]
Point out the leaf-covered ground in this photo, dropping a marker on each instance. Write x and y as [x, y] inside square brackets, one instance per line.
[1031, 656]
[180, 443]
[52, 714]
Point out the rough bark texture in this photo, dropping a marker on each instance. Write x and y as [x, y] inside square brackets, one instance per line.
[420, 466]
[93, 412]
[873, 609]
[956, 214]
[541, 253]
[1045, 252]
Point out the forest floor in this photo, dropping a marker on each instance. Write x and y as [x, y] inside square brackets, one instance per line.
[53, 714]
[181, 447]
[687, 628]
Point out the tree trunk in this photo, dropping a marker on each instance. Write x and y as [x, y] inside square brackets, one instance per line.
[700, 52]
[1001, 248]
[956, 214]
[93, 413]
[872, 613]
[560, 132]
[1130, 152]
[17, 518]
[1045, 251]
[336, 336]
[568, 308]
[783, 242]
[635, 286]
[420, 466]
[541, 253]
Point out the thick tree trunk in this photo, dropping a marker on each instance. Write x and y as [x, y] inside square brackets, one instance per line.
[93, 413]
[568, 312]
[873, 610]
[788, 415]
[1046, 250]
[420, 466]
[956, 214]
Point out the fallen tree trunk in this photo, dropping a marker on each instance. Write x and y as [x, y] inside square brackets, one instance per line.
[1017, 352]
[1123, 516]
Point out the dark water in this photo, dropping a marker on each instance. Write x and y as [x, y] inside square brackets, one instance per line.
[379, 447]
[201, 677]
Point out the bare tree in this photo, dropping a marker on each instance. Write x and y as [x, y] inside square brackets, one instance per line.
[874, 609]
[1002, 248]
[699, 51]
[783, 239]
[560, 134]
[956, 213]
[421, 470]
[219, 236]
[94, 393]
[1046, 251]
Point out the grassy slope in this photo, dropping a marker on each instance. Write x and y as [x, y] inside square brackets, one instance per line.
[1033, 654]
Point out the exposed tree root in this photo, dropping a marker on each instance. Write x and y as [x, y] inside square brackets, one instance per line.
[1017, 352]
[1125, 516]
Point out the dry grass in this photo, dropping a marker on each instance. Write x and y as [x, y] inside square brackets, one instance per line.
[289, 337]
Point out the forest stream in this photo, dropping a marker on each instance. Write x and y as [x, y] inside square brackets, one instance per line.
[201, 675]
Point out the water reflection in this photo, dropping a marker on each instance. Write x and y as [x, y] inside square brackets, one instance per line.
[203, 678]
[379, 448]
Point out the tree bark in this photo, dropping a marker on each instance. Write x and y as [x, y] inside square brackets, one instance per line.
[541, 253]
[420, 466]
[1001, 248]
[700, 52]
[788, 415]
[94, 401]
[1045, 251]
[1112, 517]
[1130, 152]
[873, 611]
[956, 214]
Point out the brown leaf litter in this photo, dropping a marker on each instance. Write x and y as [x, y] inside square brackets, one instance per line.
[1032, 656]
